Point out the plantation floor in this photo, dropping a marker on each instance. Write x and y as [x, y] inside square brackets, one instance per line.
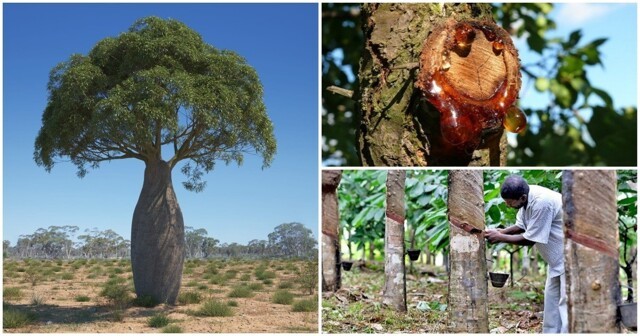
[357, 308]
[53, 303]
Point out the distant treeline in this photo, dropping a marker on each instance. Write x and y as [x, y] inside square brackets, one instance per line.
[289, 240]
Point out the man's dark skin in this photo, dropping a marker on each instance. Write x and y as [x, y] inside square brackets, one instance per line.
[512, 234]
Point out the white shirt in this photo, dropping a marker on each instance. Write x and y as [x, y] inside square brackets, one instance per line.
[542, 221]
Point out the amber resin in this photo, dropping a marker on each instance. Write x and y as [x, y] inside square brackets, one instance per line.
[469, 70]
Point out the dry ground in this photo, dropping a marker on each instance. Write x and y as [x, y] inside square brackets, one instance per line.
[49, 292]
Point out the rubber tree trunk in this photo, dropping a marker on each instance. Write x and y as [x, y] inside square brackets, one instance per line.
[591, 250]
[396, 124]
[395, 292]
[157, 237]
[330, 231]
[468, 312]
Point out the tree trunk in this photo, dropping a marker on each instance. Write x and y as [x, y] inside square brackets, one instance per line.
[525, 262]
[395, 293]
[157, 237]
[398, 127]
[468, 312]
[591, 250]
[330, 231]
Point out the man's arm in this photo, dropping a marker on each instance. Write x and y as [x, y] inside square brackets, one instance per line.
[494, 236]
[512, 230]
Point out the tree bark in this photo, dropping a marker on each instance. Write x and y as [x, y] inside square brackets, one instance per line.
[398, 127]
[468, 310]
[330, 231]
[395, 292]
[591, 250]
[157, 237]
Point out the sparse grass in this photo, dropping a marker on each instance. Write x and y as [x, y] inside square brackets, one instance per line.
[116, 291]
[203, 287]
[256, 286]
[266, 275]
[267, 282]
[285, 285]
[214, 308]
[82, 298]
[241, 292]
[282, 297]
[217, 279]
[191, 283]
[66, 276]
[13, 318]
[189, 298]
[12, 293]
[37, 299]
[245, 277]
[232, 303]
[145, 301]
[305, 306]
[158, 321]
[172, 329]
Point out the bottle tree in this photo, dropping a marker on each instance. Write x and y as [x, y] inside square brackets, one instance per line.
[160, 94]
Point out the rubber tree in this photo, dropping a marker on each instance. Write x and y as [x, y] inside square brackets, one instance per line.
[398, 127]
[591, 250]
[395, 288]
[468, 311]
[160, 94]
[330, 231]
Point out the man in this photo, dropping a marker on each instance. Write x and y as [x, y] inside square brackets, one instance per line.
[539, 222]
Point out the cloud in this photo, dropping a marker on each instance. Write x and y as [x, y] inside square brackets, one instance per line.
[576, 13]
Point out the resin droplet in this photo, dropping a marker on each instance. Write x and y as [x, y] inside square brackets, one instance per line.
[498, 46]
[446, 62]
[514, 121]
[464, 35]
[488, 34]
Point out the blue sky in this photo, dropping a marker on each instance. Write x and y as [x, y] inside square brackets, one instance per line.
[240, 203]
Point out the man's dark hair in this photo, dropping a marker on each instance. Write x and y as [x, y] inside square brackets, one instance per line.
[514, 187]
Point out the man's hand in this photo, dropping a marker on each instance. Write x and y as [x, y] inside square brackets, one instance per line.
[493, 235]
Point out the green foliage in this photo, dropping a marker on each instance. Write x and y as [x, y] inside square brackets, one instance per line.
[116, 291]
[158, 321]
[82, 298]
[282, 296]
[12, 293]
[232, 303]
[157, 84]
[172, 329]
[560, 133]
[308, 277]
[305, 306]
[13, 318]
[285, 285]
[146, 301]
[214, 308]
[241, 292]
[189, 298]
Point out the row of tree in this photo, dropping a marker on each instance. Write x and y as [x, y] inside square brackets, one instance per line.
[289, 240]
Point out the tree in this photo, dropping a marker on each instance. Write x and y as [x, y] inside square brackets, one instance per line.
[330, 231]
[157, 87]
[292, 240]
[395, 286]
[194, 240]
[468, 311]
[564, 134]
[591, 250]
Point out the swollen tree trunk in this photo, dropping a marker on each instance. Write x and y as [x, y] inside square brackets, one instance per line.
[395, 292]
[398, 127]
[157, 237]
[591, 250]
[468, 312]
[330, 231]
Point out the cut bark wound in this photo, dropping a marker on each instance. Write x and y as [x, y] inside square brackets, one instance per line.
[330, 231]
[591, 244]
[469, 70]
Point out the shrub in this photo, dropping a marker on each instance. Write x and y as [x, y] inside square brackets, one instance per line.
[245, 277]
[282, 297]
[267, 282]
[232, 303]
[241, 292]
[13, 318]
[66, 276]
[172, 329]
[214, 308]
[116, 291]
[266, 275]
[203, 287]
[189, 298]
[158, 321]
[145, 301]
[256, 286]
[82, 298]
[12, 293]
[305, 306]
[308, 278]
[37, 299]
[217, 280]
[285, 285]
